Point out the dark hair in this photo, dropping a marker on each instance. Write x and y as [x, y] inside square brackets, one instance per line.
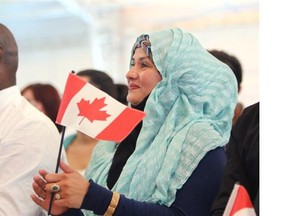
[49, 97]
[122, 90]
[231, 61]
[100, 80]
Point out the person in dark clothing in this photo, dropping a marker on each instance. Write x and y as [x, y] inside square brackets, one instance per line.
[242, 160]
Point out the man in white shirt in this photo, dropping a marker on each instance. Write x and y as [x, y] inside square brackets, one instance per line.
[29, 140]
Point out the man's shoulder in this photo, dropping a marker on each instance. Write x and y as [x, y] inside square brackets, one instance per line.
[33, 115]
[26, 119]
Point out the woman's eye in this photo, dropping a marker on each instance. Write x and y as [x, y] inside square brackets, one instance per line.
[132, 63]
[144, 65]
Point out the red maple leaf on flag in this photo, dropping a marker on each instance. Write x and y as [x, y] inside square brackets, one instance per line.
[92, 111]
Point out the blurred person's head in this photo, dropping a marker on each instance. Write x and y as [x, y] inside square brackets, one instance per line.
[231, 61]
[45, 98]
[100, 80]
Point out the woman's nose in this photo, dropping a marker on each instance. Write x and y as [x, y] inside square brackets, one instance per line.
[131, 74]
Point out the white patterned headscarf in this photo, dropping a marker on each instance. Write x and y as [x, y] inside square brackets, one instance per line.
[189, 113]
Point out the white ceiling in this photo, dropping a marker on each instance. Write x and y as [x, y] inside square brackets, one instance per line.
[67, 21]
[58, 35]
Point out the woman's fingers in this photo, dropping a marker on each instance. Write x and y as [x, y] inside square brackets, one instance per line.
[39, 186]
[43, 173]
[42, 197]
[44, 203]
[40, 181]
[56, 177]
[39, 202]
[39, 191]
[66, 168]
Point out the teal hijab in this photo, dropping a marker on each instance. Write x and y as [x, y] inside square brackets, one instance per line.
[189, 113]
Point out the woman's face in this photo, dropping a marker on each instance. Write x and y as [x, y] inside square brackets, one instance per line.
[85, 78]
[88, 80]
[29, 95]
[142, 77]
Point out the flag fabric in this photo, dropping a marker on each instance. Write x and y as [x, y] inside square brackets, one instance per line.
[239, 203]
[88, 109]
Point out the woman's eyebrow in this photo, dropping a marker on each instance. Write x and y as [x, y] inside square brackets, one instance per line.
[141, 58]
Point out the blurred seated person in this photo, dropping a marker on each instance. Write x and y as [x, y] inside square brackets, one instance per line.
[242, 161]
[45, 98]
[236, 67]
[79, 146]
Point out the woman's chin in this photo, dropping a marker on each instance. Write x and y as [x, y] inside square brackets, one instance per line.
[133, 102]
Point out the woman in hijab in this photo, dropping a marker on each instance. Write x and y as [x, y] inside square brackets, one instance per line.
[173, 161]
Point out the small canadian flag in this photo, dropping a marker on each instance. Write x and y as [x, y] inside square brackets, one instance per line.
[239, 203]
[88, 109]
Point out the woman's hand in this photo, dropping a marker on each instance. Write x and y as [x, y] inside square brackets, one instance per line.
[73, 188]
[43, 197]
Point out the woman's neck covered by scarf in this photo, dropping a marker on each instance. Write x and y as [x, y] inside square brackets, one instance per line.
[124, 150]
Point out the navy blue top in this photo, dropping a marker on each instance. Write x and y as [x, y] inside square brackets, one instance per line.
[193, 199]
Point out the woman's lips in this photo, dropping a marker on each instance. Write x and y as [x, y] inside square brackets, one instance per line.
[133, 86]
